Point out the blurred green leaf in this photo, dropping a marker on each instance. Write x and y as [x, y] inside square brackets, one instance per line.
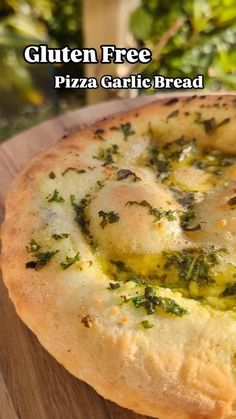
[205, 43]
[141, 23]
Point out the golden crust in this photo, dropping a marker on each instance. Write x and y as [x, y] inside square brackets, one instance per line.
[181, 368]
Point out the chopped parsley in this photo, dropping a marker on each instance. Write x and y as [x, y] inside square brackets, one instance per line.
[120, 271]
[70, 261]
[157, 213]
[171, 101]
[100, 184]
[147, 324]
[60, 236]
[150, 301]
[163, 156]
[229, 291]
[114, 285]
[159, 163]
[173, 114]
[73, 169]
[186, 218]
[193, 264]
[108, 155]
[213, 160]
[210, 125]
[232, 201]
[80, 208]
[125, 173]
[52, 175]
[108, 218]
[33, 246]
[55, 197]
[99, 133]
[127, 130]
[179, 149]
[185, 198]
[41, 260]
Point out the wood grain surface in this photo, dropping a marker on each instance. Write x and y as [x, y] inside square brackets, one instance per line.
[32, 384]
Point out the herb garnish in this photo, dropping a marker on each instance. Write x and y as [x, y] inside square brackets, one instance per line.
[99, 133]
[70, 169]
[185, 198]
[210, 125]
[150, 301]
[185, 219]
[147, 324]
[160, 163]
[232, 201]
[108, 155]
[60, 236]
[157, 213]
[162, 156]
[55, 197]
[70, 261]
[108, 218]
[213, 160]
[173, 114]
[125, 273]
[125, 173]
[42, 260]
[229, 291]
[52, 175]
[171, 101]
[80, 212]
[127, 130]
[194, 264]
[33, 246]
[114, 285]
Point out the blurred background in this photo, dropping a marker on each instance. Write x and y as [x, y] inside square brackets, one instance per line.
[187, 38]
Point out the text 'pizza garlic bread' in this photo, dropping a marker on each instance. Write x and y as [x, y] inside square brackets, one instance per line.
[125, 260]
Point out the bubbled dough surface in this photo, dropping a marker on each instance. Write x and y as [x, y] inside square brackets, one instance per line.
[182, 367]
[135, 233]
[218, 220]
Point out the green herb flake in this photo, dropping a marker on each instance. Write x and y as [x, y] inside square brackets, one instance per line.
[157, 213]
[108, 218]
[52, 175]
[70, 261]
[55, 197]
[186, 218]
[125, 173]
[159, 163]
[185, 198]
[113, 285]
[108, 155]
[80, 208]
[194, 264]
[150, 301]
[232, 202]
[210, 125]
[73, 169]
[60, 236]
[229, 291]
[99, 133]
[127, 130]
[33, 246]
[41, 260]
[100, 184]
[173, 114]
[147, 324]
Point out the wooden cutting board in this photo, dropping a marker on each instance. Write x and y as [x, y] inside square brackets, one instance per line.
[32, 384]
